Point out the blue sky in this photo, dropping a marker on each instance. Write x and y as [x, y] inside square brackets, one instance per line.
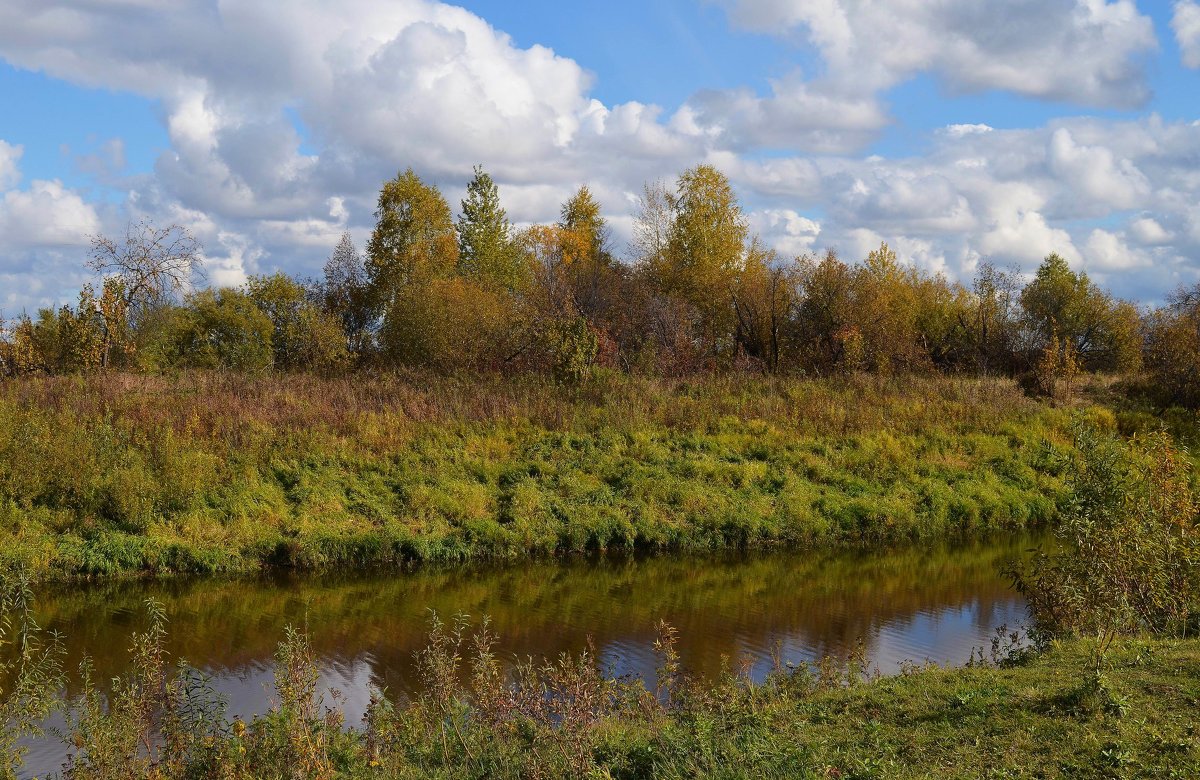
[959, 133]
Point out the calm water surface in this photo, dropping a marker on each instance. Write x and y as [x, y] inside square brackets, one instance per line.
[933, 603]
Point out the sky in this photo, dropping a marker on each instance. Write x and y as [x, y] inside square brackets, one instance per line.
[958, 131]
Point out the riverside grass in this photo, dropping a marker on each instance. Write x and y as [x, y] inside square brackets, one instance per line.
[1057, 713]
[207, 472]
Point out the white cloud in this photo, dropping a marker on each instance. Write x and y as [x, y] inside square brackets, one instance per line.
[786, 230]
[1094, 176]
[1186, 23]
[1107, 251]
[283, 119]
[10, 156]
[958, 131]
[1148, 231]
[1084, 51]
[46, 214]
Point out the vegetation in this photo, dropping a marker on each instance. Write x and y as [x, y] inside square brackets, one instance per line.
[478, 715]
[1129, 558]
[226, 472]
[696, 293]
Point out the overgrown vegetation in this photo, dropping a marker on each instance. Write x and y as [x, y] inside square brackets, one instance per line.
[480, 715]
[1128, 561]
[218, 472]
[30, 671]
[1119, 703]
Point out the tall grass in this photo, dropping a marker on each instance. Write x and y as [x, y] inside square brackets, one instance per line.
[478, 715]
[210, 472]
[30, 671]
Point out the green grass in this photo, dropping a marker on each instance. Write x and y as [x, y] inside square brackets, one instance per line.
[207, 472]
[1041, 720]
[1055, 715]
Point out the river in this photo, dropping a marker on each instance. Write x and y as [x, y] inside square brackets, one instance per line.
[916, 604]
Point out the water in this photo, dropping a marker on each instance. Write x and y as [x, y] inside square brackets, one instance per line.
[931, 603]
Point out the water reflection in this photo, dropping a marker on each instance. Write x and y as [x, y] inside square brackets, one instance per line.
[928, 603]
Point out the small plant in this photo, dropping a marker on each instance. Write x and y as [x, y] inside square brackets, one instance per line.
[116, 733]
[31, 680]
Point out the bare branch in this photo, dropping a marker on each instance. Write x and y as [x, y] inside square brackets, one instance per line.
[154, 264]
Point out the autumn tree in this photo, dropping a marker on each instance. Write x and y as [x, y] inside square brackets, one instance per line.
[224, 329]
[153, 264]
[413, 241]
[996, 317]
[822, 326]
[763, 298]
[591, 270]
[705, 247]
[303, 335]
[414, 244]
[559, 334]
[1064, 305]
[485, 248]
[1173, 349]
[345, 293]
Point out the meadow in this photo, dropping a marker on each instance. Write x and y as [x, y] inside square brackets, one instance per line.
[206, 472]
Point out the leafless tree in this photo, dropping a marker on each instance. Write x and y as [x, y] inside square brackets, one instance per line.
[153, 263]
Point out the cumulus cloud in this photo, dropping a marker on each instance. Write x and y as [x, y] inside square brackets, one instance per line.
[1013, 196]
[1186, 23]
[40, 226]
[789, 232]
[46, 214]
[1095, 178]
[1086, 51]
[284, 119]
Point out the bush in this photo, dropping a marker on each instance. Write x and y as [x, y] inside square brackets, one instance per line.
[1129, 542]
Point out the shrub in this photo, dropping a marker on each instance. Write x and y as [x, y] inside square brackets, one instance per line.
[1128, 558]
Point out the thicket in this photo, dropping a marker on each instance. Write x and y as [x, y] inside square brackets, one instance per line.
[694, 293]
[1128, 553]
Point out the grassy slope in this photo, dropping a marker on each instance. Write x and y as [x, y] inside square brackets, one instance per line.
[206, 472]
[1034, 721]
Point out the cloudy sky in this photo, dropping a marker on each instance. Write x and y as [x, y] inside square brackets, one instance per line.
[956, 130]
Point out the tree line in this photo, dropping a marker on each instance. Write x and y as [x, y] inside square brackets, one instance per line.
[696, 292]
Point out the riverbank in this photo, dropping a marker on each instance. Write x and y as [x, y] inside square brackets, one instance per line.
[1049, 718]
[207, 473]
[1054, 714]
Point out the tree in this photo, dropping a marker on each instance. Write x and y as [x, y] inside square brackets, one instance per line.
[822, 321]
[414, 238]
[303, 336]
[345, 295]
[705, 246]
[652, 226]
[762, 301]
[1062, 304]
[590, 266]
[153, 264]
[413, 247]
[485, 249]
[224, 329]
[996, 319]
[1173, 349]
[453, 324]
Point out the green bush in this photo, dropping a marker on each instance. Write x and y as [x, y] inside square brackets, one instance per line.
[1128, 553]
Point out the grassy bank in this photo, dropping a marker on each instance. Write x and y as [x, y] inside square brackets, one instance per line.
[209, 472]
[1055, 714]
